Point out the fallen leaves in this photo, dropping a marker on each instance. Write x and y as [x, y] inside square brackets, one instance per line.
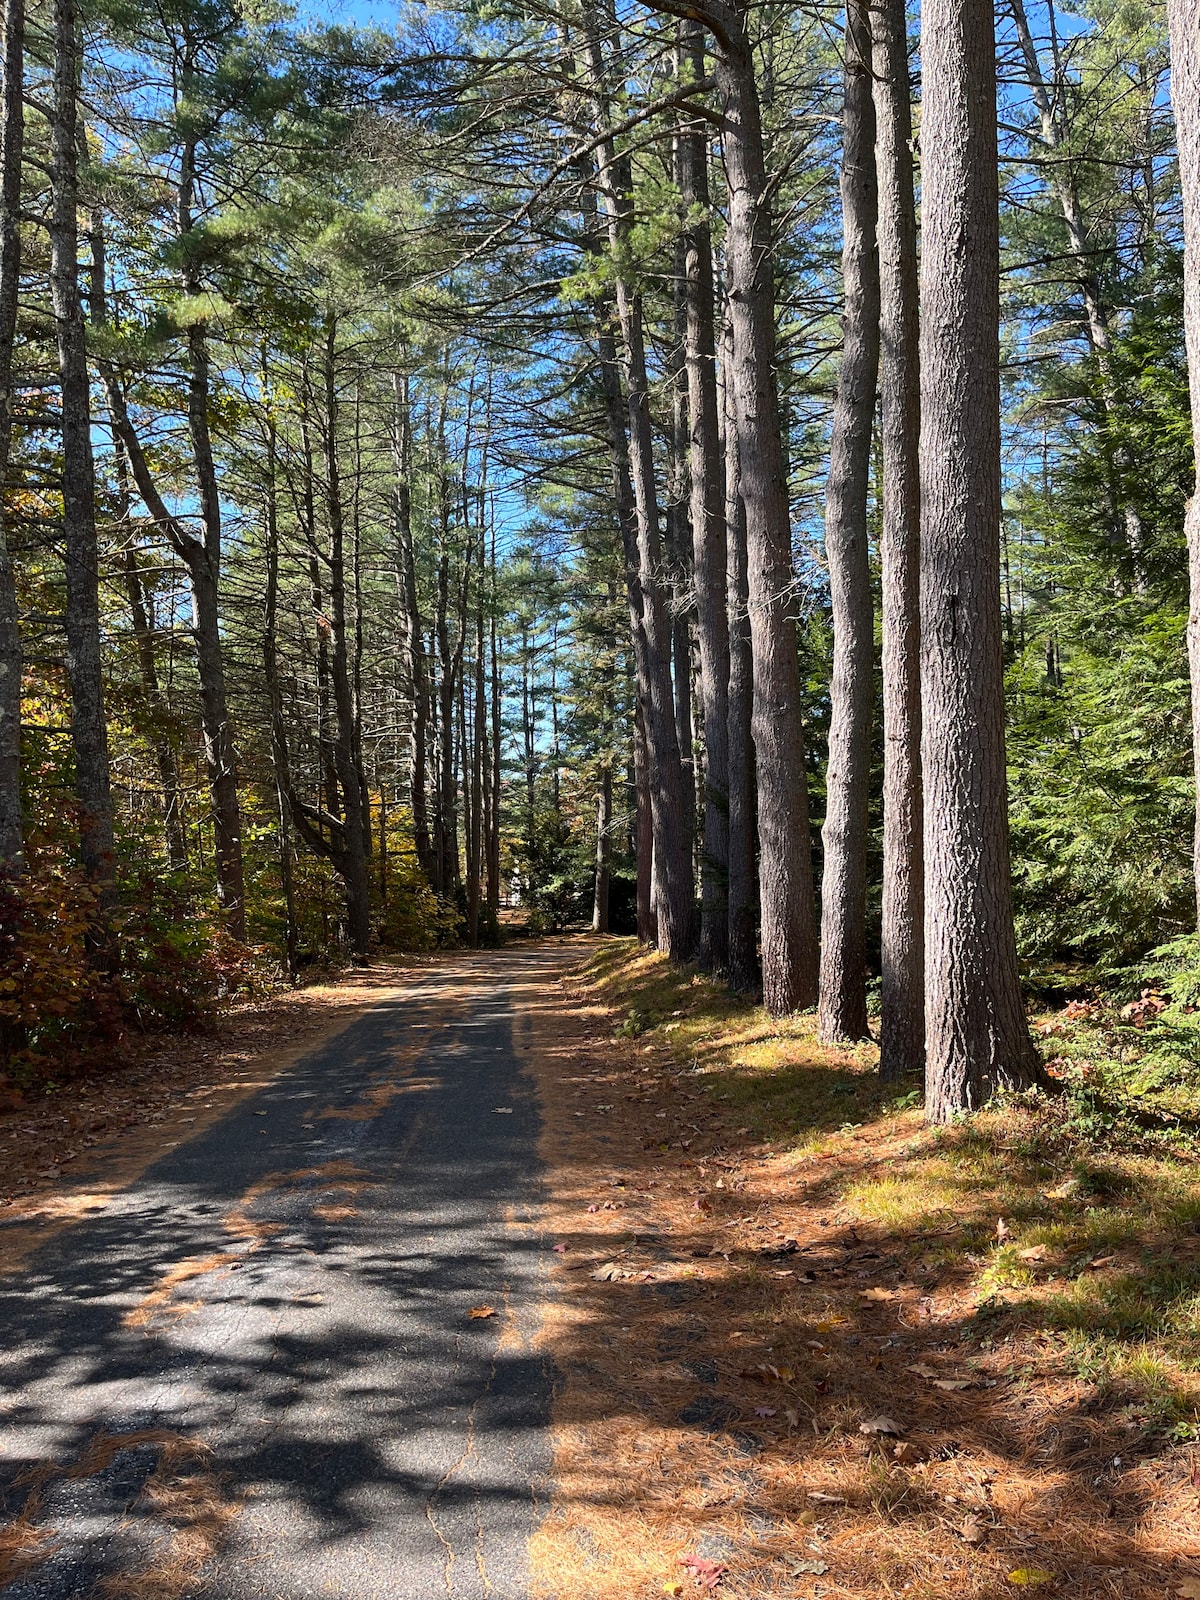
[707, 1574]
[1030, 1577]
[880, 1425]
[611, 1272]
[479, 1313]
[766, 1372]
[798, 1568]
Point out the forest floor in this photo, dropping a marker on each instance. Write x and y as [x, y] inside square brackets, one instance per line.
[809, 1347]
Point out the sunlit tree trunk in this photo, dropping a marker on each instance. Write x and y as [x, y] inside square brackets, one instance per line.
[743, 950]
[902, 1001]
[89, 729]
[1183, 21]
[204, 557]
[279, 740]
[673, 880]
[352, 855]
[12, 129]
[978, 1040]
[707, 519]
[843, 1000]
[788, 910]
[603, 850]
[414, 639]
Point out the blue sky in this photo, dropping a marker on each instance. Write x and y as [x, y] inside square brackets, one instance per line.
[380, 12]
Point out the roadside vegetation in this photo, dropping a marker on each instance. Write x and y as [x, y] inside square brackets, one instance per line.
[1075, 1211]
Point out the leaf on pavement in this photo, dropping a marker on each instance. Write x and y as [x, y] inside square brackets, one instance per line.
[479, 1312]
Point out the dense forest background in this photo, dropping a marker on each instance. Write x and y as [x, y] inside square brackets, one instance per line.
[363, 670]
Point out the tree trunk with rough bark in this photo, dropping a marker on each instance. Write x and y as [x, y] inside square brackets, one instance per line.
[12, 138]
[89, 729]
[788, 909]
[414, 639]
[674, 884]
[157, 710]
[203, 557]
[843, 1002]
[1183, 22]
[279, 744]
[902, 1001]
[647, 911]
[978, 1039]
[496, 747]
[352, 859]
[603, 851]
[743, 952]
[707, 520]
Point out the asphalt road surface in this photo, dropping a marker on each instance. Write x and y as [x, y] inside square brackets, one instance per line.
[264, 1348]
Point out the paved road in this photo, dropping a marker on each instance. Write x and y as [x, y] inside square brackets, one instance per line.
[291, 1291]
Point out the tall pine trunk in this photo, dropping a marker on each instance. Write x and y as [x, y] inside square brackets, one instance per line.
[158, 712]
[843, 1001]
[978, 1039]
[12, 133]
[204, 557]
[707, 520]
[603, 850]
[1183, 21]
[902, 1001]
[672, 869]
[352, 858]
[743, 951]
[279, 743]
[89, 729]
[788, 910]
[417, 669]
